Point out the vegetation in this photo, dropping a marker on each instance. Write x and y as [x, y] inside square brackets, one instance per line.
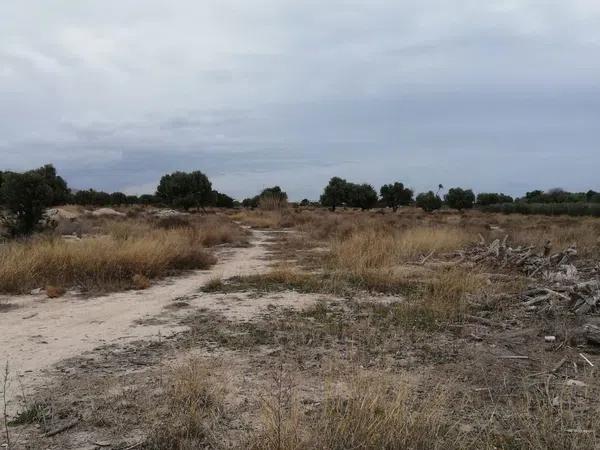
[335, 193]
[548, 209]
[396, 195]
[269, 199]
[428, 201]
[185, 190]
[460, 199]
[117, 257]
[26, 196]
[485, 199]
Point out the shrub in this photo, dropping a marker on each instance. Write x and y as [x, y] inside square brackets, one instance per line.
[91, 197]
[118, 198]
[485, 199]
[395, 195]
[460, 199]
[429, 201]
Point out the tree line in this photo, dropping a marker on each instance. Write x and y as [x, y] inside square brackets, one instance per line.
[25, 196]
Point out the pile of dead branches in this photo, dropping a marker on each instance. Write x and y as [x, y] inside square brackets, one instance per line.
[556, 282]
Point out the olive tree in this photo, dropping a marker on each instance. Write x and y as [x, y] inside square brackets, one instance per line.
[396, 195]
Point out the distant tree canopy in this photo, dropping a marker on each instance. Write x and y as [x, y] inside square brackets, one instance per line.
[118, 198]
[396, 195]
[460, 199]
[428, 201]
[272, 195]
[491, 198]
[335, 193]
[558, 195]
[185, 190]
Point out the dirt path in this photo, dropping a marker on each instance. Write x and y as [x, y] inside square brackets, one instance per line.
[40, 332]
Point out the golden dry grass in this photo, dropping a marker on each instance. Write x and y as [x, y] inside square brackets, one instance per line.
[373, 249]
[121, 253]
[99, 263]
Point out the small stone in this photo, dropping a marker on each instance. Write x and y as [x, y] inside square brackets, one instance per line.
[550, 338]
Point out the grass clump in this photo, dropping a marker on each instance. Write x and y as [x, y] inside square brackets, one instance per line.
[192, 406]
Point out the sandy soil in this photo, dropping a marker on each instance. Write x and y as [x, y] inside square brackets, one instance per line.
[39, 332]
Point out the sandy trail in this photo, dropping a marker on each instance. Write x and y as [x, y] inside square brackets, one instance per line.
[41, 332]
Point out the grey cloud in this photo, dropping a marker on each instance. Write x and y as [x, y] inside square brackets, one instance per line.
[493, 95]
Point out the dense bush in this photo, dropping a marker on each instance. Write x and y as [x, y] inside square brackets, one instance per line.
[559, 195]
[395, 195]
[428, 201]
[91, 197]
[460, 199]
[488, 198]
[551, 209]
[185, 190]
[118, 198]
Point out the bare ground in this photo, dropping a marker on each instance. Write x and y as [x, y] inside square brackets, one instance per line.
[38, 332]
[249, 344]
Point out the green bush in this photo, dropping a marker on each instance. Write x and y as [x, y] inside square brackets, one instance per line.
[428, 201]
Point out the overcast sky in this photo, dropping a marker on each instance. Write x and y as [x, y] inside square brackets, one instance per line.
[494, 95]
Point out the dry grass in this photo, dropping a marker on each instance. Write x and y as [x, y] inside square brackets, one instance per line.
[193, 404]
[99, 263]
[272, 202]
[140, 281]
[366, 412]
[120, 253]
[374, 249]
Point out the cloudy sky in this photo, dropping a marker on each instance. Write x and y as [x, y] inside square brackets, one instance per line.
[495, 95]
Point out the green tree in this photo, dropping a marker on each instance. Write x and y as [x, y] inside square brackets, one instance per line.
[185, 190]
[395, 195]
[26, 196]
[335, 193]
[428, 201]
[362, 196]
[460, 199]
[118, 198]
